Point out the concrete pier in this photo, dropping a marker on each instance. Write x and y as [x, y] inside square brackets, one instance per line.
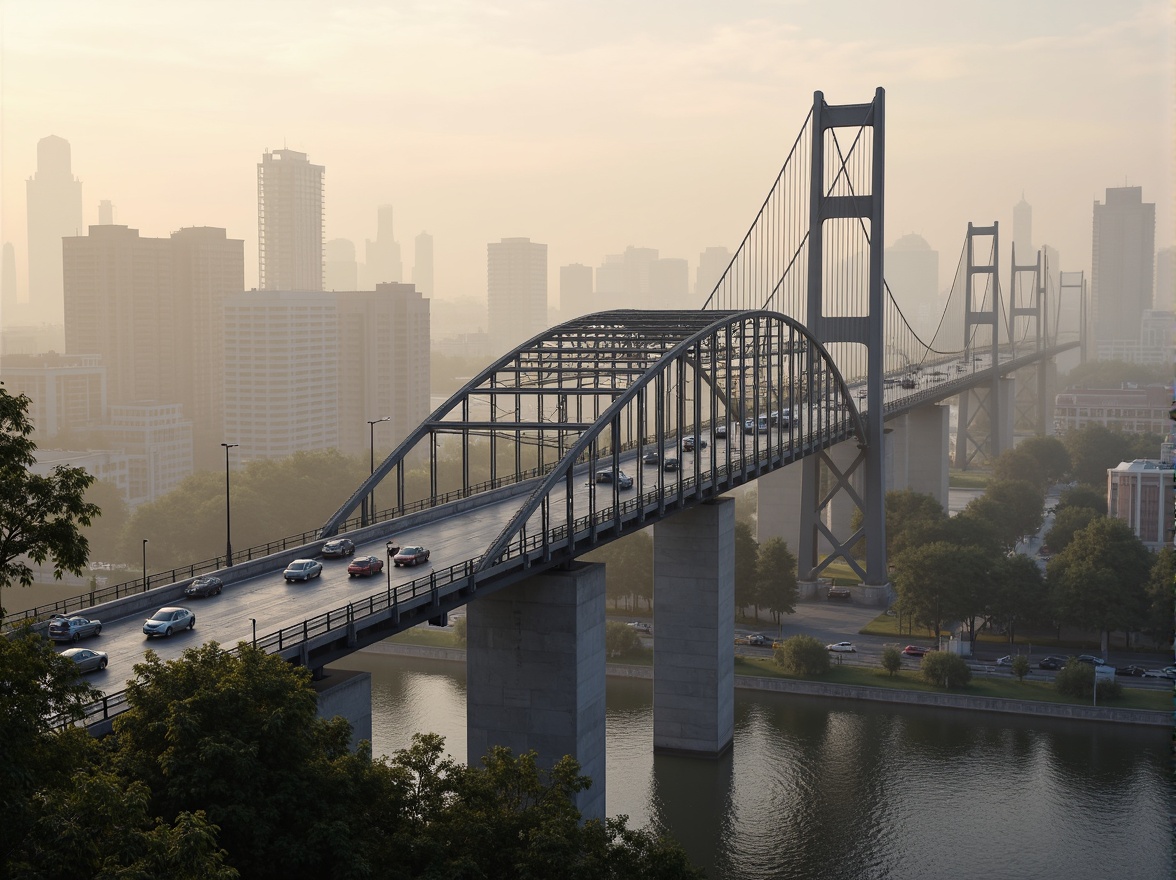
[917, 452]
[694, 631]
[535, 673]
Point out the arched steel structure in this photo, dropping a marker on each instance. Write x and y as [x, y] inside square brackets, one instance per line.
[564, 415]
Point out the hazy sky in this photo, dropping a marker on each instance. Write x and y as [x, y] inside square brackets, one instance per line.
[585, 125]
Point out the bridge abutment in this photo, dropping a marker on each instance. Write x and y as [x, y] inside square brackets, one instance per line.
[535, 673]
[918, 452]
[694, 631]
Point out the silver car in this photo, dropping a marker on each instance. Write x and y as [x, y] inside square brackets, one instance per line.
[86, 660]
[165, 621]
[303, 570]
[70, 629]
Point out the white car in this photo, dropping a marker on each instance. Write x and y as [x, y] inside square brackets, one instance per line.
[842, 648]
[302, 570]
[165, 621]
[1006, 660]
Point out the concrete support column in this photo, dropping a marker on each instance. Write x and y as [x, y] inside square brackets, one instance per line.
[348, 693]
[535, 673]
[778, 507]
[895, 452]
[927, 444]
[1006, 407]
[694, 631]
[839, 511]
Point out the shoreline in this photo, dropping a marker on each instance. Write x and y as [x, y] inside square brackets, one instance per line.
[1105, 714]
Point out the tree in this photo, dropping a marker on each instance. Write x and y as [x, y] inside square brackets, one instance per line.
[802, 655]
[1084, 496]
[1013, 508]
[620, 639]
[776, 584]
[41, 517]
[746, 560]
[105, 534]
[1093, 448]
[925, 577]
[1098, 580]
[910, 517]
[1018, 594]
[1051, 455]
[1017, 464]
[945, 670]
[1020, 666]
[1068, 521]
[1160, 585]
[891, 659]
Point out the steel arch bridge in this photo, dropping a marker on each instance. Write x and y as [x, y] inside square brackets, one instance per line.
[589, 421]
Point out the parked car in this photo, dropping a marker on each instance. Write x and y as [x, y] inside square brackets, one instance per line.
[641, 627]
[70, 629]
[165, 621]
[86, 660]
[1006, 660]
[302, 570]
[337, 547]
[204, 586]
[1132, 670]
[758, 640]
[671, 464]
[362, 566]
[783, 417]
[1154, 673]
[842, 648]
[720, 432]
[916, 650]
[1091, 660]
[1051, 662]
[651, 458]
[411, 556]
[622, 479]
[839, 593]
[689, 442]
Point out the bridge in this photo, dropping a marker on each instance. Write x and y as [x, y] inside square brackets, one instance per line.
[799, 370]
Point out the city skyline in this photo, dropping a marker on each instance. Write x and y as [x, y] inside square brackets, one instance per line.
[662, 134]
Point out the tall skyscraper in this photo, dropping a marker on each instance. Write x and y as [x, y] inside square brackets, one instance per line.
[912, 274]
[712, 263]
[289, 222]
[575, 291]
[106, 213]
[382, 256]
[342, 270]
[1166, 279]
[1023, 232]
[516, 288]
[1122, 263]
[422, 266]
[153, 309]
[54, 211]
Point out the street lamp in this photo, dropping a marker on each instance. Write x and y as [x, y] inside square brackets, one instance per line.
[371, 499]
[228, 512]
[144, 565]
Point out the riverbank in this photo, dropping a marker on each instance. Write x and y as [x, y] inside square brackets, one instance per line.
[820, 689]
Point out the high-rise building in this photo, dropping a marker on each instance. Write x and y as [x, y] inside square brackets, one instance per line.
[669, 284]
[422, 266]
[54, 212]
[516, 288]
[912, 275]
[382, 256]
[153, 309]
[342, 269]
[576, 297]
[158, 442]
[712, 263]
[289, 222]
[1023, 232]
[66, 393]
[1166, 279]
[106, 213]
[1122, 263]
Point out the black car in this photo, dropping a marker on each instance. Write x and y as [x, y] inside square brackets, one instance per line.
[204, 586]
[1091, 660]
[720, 432]
[670, 464]
[651, 458]
[338, 547]
[1051, 662]
[1137, 671]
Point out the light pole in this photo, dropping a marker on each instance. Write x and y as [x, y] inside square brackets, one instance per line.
[371, 499]
[253, 620]
[144, 565]
[228, 511]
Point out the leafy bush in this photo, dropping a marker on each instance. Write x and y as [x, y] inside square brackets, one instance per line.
[891, 660]
[1020, 666]
[620, 639]
[802, 655]
[460, 629]
[945, 669]
[1077, 680]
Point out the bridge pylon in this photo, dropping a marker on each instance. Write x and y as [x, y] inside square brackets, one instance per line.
[1028, 305]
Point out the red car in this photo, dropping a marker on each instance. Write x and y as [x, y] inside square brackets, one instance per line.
[411, 556]
[916, 650]
[362, 566]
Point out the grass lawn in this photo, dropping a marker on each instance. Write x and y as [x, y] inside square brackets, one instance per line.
[1005, 688]
[968, 479]
[841, 574]
[886, 625]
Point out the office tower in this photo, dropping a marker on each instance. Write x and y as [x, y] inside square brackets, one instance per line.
[106, 213]
[281, 372]
[712, 263]
[576, 297]
[289, 222]
[422, 267]
[1122, 263]
[382, 256]
[912, 275]
[342, 270]
[623, 280]
[159, 444]
[153, 309]
[54, 211]
[1166, 279]
[1023, 232]
[516, 288]
[66, 392]
[669, 284]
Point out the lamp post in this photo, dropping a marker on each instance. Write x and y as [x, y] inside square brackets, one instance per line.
[228, 512]
[144, 565]
[371, 499]
[253, 620]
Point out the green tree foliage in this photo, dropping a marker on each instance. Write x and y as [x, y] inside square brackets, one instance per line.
[620, 640]
[945, 670]
[1094, 448]
[746, 566]
[1161, 584]
[104, 534]
[41, 517]
[1099, 580]
[628, 563]
[1020, 666]
[1077, 680]
[911, 518]
[1091, 497]
[1018, 595]
[891, 659]
[937, 581]
[1017, 464]
[461, 629]
[802, 655]
[1051, 456]
[776, 585]
[1115, 374]
[1013, 508]
[1068, 521]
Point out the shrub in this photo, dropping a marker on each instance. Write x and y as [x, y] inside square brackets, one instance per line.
[460, 630]
[620, 639]
[1020, 666]
[1077, 680]
[802, 655]
[945, 670]
[891, 660]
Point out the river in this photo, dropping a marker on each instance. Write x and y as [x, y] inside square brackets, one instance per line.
[839, 789]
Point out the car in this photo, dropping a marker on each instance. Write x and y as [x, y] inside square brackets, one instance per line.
[86, 660]
[167, 620]
[689, 442]
[758, 640]
[839, 593]
[622, 479]
[908, 382]
[916, 650]
[362, 566]
[302, 570]
[411, 556]
[337, 547]
[720, 432]
[1091, 660]
[1154, 673]
[841, 648]
[671, 464]
[70, 629]
[1169, 671]
[1131, 670]
[641, 627]
[204, 586]
[1051, 662]
[1006, 660]
[782, 417]
[651, 458]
